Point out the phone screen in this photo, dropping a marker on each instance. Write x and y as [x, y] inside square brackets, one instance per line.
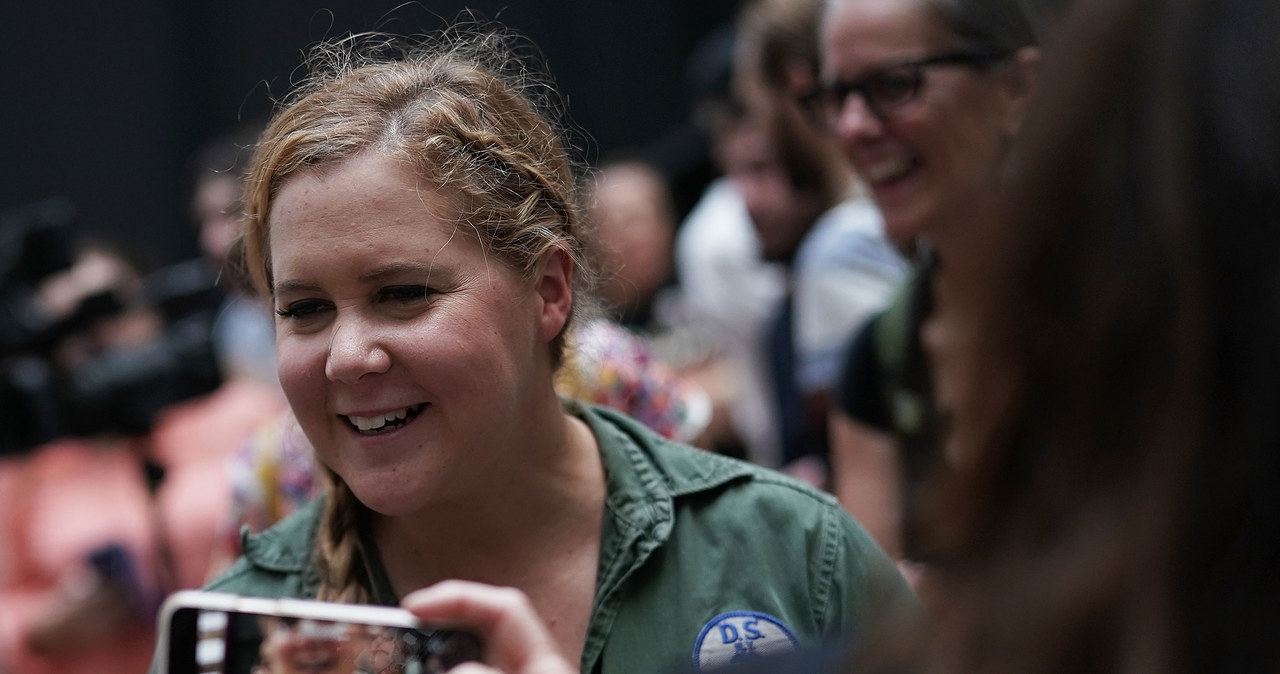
[204, 640]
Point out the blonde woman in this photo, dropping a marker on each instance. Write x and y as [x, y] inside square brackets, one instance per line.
[413, 220]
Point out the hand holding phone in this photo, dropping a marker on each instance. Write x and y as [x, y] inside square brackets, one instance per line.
[204, 632]
[516, 639]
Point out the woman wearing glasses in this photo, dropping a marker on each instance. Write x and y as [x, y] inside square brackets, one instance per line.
[925, 98]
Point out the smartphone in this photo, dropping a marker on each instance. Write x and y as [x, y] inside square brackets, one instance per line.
[205, 632]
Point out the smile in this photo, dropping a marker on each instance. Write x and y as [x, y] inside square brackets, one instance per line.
[384, 423]
[886, 172]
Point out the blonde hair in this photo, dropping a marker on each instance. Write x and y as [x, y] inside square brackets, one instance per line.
[465, 110]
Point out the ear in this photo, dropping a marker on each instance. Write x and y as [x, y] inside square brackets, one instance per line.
[555, 293]
[1018, 84]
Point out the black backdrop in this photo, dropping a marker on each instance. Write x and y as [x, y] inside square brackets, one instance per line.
[104, 101]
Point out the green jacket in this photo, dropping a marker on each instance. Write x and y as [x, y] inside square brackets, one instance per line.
[702, 558]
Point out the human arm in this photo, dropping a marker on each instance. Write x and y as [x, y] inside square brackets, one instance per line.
[865, 460]
[865, 478]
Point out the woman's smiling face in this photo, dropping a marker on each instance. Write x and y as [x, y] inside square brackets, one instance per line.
[405, 351]
[928, 160]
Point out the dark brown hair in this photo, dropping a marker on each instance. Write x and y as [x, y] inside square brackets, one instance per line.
[1120, 510]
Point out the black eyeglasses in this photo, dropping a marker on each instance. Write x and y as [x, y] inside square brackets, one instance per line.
[887, 89]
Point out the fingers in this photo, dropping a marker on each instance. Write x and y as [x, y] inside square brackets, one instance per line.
[515, 639]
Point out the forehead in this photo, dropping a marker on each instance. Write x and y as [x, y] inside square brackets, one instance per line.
[371, 204]
[369, 179]
[861, 34]
[627, 184]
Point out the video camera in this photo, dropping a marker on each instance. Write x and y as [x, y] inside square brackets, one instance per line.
[119, 390]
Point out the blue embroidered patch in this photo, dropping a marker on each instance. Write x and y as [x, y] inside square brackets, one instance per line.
[741, 635]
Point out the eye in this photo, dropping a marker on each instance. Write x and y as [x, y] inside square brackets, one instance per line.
[403, 294]
[302, 309]
[893, 87]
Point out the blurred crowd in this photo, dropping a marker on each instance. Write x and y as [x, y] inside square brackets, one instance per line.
[1029, 407]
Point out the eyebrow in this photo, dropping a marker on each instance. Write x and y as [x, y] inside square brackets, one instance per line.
[293, 287]
[396, 269]
[387, 271]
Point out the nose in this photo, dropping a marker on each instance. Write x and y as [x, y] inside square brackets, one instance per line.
[355, 350]
[856, 120]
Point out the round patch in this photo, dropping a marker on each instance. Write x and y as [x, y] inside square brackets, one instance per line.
[741, 635]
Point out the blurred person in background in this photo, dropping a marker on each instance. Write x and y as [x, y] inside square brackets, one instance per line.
[80, 565]
[925, 99]
[244, 333]
[117, 506]
[725, 289]
[630, 204]
[619, 360]
[811, 216]
[151, 406]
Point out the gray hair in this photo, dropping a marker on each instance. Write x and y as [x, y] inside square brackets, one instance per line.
[990, 26]
[996, 26]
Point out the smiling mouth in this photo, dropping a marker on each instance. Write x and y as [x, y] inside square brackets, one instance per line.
[384, 423]
[887, 172]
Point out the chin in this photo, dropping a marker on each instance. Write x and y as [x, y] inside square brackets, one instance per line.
[904, 227]
[387, 506]
[375, 496]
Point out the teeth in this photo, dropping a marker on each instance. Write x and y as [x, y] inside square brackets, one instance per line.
[885, 170]
[375, 423]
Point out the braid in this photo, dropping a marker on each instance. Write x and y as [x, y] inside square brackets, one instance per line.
[339, 550]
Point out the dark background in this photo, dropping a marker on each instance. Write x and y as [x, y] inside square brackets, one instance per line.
[105, 101]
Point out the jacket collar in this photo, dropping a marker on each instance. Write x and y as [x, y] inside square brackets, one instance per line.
[645, 475]
[647, 468]
[285, 547]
